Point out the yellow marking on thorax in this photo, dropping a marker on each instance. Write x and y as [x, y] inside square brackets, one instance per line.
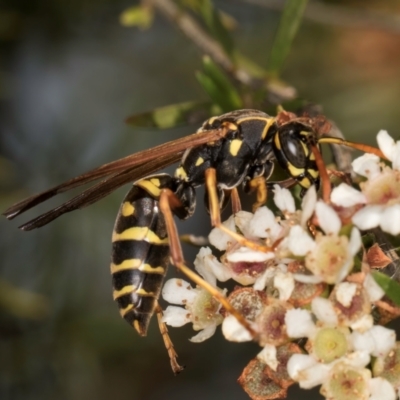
[267, 126]
[277, 142]
[181, 174]
[235, 146]
[199, 161]
[125, 290]
[124, 311]
[139, 233]
[155, 181]
[268, 123]
[230, 125]
[127, 209]
[136, 263]
[312, 156]
[149, 187]
[212, 120]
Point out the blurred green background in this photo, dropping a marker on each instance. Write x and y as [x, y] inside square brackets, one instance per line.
[69, 76]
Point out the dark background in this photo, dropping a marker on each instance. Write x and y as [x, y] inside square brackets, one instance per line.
[69, 76]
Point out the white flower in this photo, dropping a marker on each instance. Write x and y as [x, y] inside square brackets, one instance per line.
[346, 196]
[234, 331]
[263, 224]
[284, 200]
[299, 241]
[299, 323]
[381, 389]
[382, 188]
[210, 268]
[377, 341]
[390, 148]
[201, 309]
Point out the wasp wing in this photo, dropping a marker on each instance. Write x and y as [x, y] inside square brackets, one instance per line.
[119, 172]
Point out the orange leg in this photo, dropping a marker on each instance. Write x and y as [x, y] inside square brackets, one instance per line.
[176, 368]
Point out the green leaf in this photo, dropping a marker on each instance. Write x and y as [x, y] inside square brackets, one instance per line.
[389, 286]
[139, 16]
[190, 112]
[288, 26]
[218, 86]
[213, 20]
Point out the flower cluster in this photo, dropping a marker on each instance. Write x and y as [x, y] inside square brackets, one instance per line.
[308, 292]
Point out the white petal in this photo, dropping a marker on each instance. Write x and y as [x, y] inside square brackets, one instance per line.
[242, 221]
[283, 199]
[380, 389]
[384, 340]
[220, 239]
[234, 331]
[390, 219]
[396, 157]
[345, 292]
[299, 323]
[298, 363]
[314, 376]
[204, 334]
[263, 224]
[305, 370]
[284, 282]
[178, 291]
[248, 255]
[375, 292]
[210, 268]
[263, 279]
[299, 242]
[268, 356]
[324, 311]
[355, 241]
[357, 359]
[344, 271]
[368, 217]
[363, 324]
[308, 205]
[367, 165]
[176, 316]
[362, 341]
[307, 278]
[346, 196]
[386, 144]
[327, 218]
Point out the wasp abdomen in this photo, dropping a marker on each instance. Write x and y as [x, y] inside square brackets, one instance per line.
[140, 254]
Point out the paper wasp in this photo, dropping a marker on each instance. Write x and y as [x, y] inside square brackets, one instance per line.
[236, 148]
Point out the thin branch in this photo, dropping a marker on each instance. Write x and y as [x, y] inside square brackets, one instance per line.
[201, 39]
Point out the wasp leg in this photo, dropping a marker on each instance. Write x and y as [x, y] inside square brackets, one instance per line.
[211, 184]
[168, 201]
[325, 181]
[197, 241]
[258, 185]
[235, 199]
[359, 146]
[286, 183]
[176, 368]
